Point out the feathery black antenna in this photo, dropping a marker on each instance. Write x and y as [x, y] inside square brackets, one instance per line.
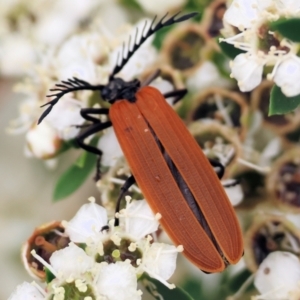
[145, 34]
[70, 85]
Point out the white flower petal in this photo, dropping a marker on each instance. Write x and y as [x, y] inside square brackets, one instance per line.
[247, 70]
[241, 13]
[64, 116]
[278, 274]
[110, 147]
[160, 260]
[287, 76]
[71, 261]
[87, 222]
[117, 281]
[157, 6]
[140, 220]
[234, 193]
[27, 291]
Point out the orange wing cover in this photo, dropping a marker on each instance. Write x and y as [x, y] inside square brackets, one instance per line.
[134, 125]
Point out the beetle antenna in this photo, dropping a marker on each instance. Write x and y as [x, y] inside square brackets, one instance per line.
[145, 34]
[70, 85]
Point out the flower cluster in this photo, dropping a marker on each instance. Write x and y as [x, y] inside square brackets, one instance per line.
[89, 56]
[262, 46]
[103, 261]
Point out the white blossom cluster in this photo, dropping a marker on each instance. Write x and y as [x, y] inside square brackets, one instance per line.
[247, 28]
[28, 26]
[89, 56]
[105, 268]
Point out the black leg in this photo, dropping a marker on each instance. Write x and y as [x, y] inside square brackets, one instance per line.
[231, 184]
[178, 94]
[86, 112]
[216, 164]
[128, 183]
[94, 128]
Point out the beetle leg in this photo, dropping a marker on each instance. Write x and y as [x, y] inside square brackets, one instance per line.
[231, 184]
[94, 128]
[221, 169]
[127, 184]
[86, 112]
[178, 94]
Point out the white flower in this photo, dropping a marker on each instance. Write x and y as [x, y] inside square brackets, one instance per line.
[28, 291]
[110, 147]
[277, 275]
[117, 281]
[71, 262]
[87, 223]
[159, 261]
[234, 193]
[243, 13]
[136, 223]
[263, 46]
[247, 69]
[139, 219]
[156, 6]
[43, 141]
[78, 57]
[287, 76]
[64, 117]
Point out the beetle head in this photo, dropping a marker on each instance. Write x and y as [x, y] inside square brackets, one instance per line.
[118, 89]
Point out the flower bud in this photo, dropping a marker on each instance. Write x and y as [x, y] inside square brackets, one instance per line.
[43, 141]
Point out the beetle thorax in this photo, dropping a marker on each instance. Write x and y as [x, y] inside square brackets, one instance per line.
[118, 89]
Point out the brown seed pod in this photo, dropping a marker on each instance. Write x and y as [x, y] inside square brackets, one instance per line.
[222, 105]
[167, 73]
[186, 47]
[213, 17]
[45, 240]
[252, 182]
[217, 142]
[269, 233]
[283, 182]
[280, 124]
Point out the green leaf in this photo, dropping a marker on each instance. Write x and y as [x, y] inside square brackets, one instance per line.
[49, 276]
[230, 50]
[288, 28]
[221, 62]
[131, 4]
[76, 175]
[280, 103]
[160, 291]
